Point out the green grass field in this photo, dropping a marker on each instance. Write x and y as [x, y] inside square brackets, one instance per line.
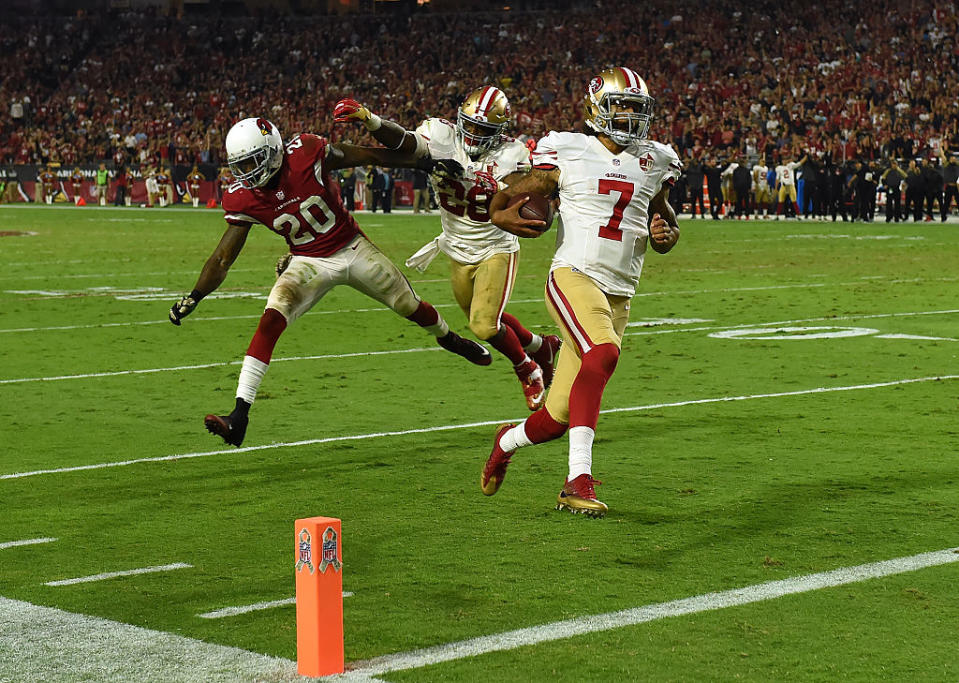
[706, 493]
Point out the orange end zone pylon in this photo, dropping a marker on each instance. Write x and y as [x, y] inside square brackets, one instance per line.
[319, 596]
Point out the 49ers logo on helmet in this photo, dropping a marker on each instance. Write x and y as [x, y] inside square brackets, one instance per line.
[596, 84]
[264, 126]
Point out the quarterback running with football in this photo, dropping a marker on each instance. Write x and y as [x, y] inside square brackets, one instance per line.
[613, 186]
[483, 259]
[289, 189]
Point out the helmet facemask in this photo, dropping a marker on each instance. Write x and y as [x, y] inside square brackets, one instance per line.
[623, 117]
[478, 136]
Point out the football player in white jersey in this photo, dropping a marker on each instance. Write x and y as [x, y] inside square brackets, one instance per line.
[613, 186]
[483, 259]
[762, 193]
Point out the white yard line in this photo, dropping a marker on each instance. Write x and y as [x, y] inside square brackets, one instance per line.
[113, 575]
[255, 607]
[28, 541]
[119, 373]
[510, 640]
[104, 650]
[468, 425]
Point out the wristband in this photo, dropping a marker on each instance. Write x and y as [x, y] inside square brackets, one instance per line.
[196, 296]
[373, 123]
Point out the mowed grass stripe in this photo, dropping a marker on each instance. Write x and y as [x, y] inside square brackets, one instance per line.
[673, 330]
[469, 425]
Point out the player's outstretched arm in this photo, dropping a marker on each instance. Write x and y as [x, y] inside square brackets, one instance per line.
[387, 133]
[537, 180]
[214, 271]
[343, 155]
[663, 227]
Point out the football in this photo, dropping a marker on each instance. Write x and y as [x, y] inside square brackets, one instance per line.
[538, 208]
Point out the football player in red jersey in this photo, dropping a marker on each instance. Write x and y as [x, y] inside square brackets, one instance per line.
[291, 190]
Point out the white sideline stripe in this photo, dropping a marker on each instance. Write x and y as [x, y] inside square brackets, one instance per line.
[28, 541]
[113, 575]
[467, 425]
[255, 607]
[104, 650]
[920, 337]
[145, 371]
[559, 630]
[201, 366]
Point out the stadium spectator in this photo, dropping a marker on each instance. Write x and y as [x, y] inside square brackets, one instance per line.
[276, 184]
[892, 179]
[121, 195]
[950, 177]
[421, 195]
[932, 184]
[695, 173]
[103, 175]
[714, 185]
[915, 191]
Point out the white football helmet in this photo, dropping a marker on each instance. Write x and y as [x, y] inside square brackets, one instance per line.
[482, 119]
[254, 151]
[608, 97]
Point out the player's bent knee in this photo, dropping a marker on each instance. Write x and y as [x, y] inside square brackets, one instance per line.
[405, 304]
[484, 329]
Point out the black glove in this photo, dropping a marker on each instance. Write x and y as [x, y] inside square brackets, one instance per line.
[184, 307]
[445, 169]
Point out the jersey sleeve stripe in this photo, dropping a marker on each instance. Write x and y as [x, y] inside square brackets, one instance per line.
[545, 167]
[239, 219]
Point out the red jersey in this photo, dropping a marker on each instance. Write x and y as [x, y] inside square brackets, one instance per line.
[301, 203]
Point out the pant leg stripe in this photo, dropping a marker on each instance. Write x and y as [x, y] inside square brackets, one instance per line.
[568, 317]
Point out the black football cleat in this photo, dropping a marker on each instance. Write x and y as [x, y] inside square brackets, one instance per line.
[466, 348]
[231, 428]
[545, 357]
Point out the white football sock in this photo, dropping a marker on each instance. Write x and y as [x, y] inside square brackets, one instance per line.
[580, 451]
[439, 329]
[515, 438]
[251, 374]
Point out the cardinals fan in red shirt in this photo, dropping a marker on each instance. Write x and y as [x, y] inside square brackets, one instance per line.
[290, 190]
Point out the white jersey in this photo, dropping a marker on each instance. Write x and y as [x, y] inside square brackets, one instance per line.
[759, 175]
[786, 173]
[468, 235]
[604, 204]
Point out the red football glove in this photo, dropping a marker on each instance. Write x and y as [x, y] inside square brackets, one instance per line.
[350, 110]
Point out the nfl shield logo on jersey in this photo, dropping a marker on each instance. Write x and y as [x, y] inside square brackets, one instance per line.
[306, 552]
[646, 162]
[329, 550]
[281, 195]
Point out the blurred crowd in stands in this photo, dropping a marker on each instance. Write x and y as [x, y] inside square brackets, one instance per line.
[836, 80]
